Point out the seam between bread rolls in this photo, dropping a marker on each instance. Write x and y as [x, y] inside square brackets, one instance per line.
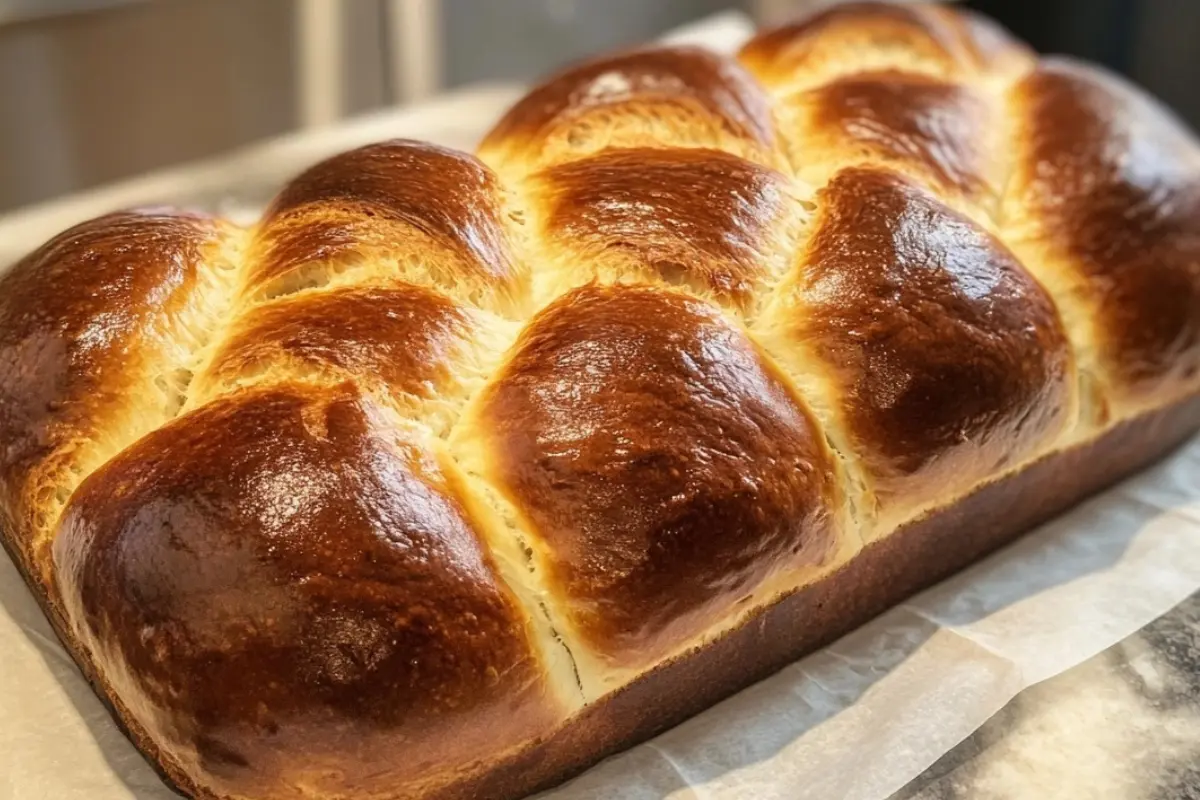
[188, 335]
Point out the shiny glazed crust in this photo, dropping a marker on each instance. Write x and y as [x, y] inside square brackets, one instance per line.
[456, 473]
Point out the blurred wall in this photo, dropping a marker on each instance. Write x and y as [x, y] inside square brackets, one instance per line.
[1152, 41]
[95, 96]
[90, 97]
[525, 38]
[99, 95]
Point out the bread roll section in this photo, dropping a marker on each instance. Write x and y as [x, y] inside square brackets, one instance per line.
[701, 219]
[1104, 207]
[99, 330]
[665, 477]
[405, 209]
[392, 265]
[937, 131]
[455, 473]
[287, 595]
[917, 38]
[943, 359]
[677, 97]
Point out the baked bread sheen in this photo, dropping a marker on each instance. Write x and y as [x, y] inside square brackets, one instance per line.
[456, 472]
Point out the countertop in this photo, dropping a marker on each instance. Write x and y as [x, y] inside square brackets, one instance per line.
[1124, 724]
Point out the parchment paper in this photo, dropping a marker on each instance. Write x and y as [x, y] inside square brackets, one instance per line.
[856, 721]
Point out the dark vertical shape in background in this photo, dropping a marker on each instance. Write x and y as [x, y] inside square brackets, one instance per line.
[1154, 42]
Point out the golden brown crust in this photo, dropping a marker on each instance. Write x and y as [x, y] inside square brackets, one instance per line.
[862, 36]
[324, 579]
[663, 467]
[411, 209]
[660, 97]
[279, 579]
[693, 217]
[1105, 204]
[948, 360]
[933, 129]
[925, 552]
[919, 555]
[405, 337]
[82, 322]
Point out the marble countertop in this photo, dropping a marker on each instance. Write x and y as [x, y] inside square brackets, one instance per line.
[1124, 725]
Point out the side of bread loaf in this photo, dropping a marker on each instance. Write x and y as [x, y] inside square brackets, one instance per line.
[455, 473]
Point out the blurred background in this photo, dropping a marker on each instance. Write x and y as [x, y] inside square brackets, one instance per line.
[92, 91]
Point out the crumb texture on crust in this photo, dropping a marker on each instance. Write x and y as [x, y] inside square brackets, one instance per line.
[406, 479]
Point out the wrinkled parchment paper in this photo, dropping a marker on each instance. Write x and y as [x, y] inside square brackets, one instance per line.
[856, 721]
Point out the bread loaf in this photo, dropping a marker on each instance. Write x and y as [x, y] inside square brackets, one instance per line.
[456, 473]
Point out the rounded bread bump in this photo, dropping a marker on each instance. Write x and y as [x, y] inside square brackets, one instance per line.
[693, 217]
[1104, 206]
[405, 337]
[92, 328]
[664, 469]
[657, 97]
[935, 130]
[853, 37]
[947, 361]
[279, 580]
[405, 209]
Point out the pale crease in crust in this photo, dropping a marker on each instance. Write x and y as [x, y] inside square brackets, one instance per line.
[933, 44]
[166, 368]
